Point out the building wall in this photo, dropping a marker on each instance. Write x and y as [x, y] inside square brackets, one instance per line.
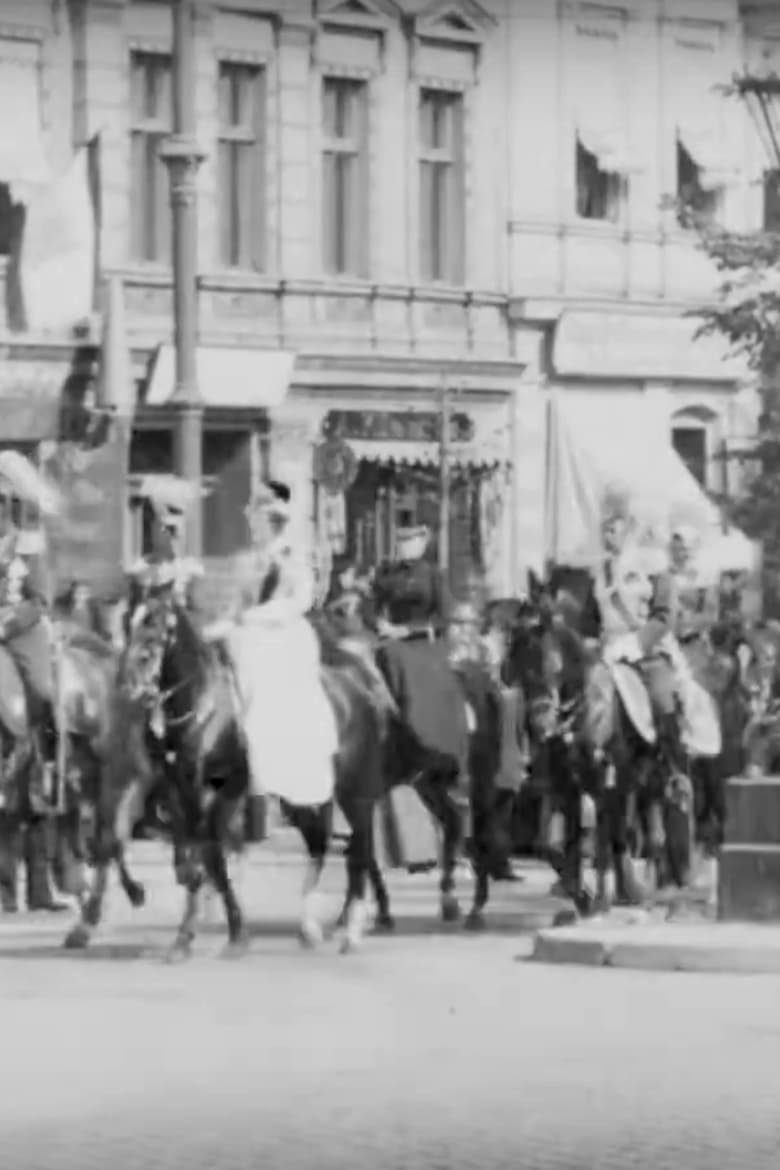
[293, 303]
[667, 55]
[528, 256]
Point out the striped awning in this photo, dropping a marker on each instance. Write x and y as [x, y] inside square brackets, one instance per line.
[487, 449]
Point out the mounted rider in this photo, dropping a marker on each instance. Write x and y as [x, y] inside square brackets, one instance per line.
[685, 609]
[288, 720]
[165, 570]
[639, 619]
[26, 635]
[412, 606]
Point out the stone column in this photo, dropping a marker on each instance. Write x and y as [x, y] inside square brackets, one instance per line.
[183, 158]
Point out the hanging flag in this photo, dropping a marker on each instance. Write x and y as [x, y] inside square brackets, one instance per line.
[57, 266]
[85, 538]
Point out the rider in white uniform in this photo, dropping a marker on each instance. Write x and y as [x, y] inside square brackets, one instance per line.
[288, 720]
[622, 587]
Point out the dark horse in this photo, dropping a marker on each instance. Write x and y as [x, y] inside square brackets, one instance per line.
[444, 794]
[170, 667]
[599, 771]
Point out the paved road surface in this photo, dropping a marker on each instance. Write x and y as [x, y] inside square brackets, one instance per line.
[434, 1050]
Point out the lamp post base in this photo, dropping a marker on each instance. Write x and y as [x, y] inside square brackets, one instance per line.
[749, 869]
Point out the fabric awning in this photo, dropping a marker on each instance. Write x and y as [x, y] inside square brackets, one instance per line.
[228, 376]
[613, 442]
[487, 448]
[708, 151]
[610, 148]
[23, 161]
[31, 400]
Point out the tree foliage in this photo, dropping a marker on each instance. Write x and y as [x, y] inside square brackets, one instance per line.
[746, 313]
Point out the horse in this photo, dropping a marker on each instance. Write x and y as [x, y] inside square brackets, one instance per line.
[88, 719]
[436, 777]
[188, 683]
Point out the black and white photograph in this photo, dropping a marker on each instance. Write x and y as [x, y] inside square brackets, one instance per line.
[389, 584]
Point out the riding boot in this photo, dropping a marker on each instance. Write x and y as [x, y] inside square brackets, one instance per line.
[40, 895]
[9, 859]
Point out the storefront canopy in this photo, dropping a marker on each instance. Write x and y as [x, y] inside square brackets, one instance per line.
[227, 376]
[599, 444]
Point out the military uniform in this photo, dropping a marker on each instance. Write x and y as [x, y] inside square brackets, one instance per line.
[25, 633]
[179, 577]
[163, 573]
[413, 597]
[23, 629]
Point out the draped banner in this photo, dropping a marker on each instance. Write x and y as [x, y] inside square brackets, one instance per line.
[85, 541]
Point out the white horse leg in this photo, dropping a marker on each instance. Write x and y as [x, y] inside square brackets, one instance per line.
[311, 932]
[355, 927]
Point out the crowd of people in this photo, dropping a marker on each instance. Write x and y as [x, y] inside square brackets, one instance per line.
[650, 631]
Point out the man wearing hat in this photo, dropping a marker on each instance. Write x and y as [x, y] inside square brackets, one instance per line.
[25, 638]
[412, 614]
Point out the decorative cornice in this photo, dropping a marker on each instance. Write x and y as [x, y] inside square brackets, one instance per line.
[361, 16]
[460, 22]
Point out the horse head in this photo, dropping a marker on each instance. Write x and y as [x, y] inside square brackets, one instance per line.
[547, 660]
[151, 632]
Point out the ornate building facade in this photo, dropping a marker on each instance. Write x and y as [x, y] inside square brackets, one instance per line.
[406, 207]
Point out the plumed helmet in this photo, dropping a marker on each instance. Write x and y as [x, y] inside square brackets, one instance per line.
[615, 505]
[273, 497]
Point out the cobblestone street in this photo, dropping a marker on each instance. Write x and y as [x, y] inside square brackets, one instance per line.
[433, 1048]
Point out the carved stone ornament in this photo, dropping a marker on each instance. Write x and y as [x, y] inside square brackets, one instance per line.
[335, 466]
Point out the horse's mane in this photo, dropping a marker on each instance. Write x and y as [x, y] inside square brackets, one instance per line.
[191, 642]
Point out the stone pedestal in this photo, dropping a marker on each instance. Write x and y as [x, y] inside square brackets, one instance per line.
[749, 871]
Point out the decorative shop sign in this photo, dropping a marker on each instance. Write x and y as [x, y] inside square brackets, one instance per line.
[335, 465]
[411, 426]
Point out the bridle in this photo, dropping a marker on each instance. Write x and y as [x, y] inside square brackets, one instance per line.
[151, 656]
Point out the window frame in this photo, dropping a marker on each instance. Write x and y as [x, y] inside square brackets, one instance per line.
[771, 177]
[344, 255]
[448, 267]
[153, 130]
[615, 193]
[239, 254]
[705, 204]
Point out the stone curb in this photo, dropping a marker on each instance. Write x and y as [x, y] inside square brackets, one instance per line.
[714, 949]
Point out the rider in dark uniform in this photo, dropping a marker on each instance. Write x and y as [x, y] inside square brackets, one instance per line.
[411, 615]
[163, 572]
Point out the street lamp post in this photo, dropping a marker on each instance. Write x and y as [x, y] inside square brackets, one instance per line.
[183, 157]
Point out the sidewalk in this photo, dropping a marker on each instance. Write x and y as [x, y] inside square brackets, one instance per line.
[646, 941]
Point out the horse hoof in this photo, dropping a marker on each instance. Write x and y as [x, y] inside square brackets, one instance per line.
[178, 953]
[136, 895]
[450, 908]
[310, 935]
[350, 945]
[475, 921]
[77, 939]
[567, 917]
[236, 948]
[384, 924]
